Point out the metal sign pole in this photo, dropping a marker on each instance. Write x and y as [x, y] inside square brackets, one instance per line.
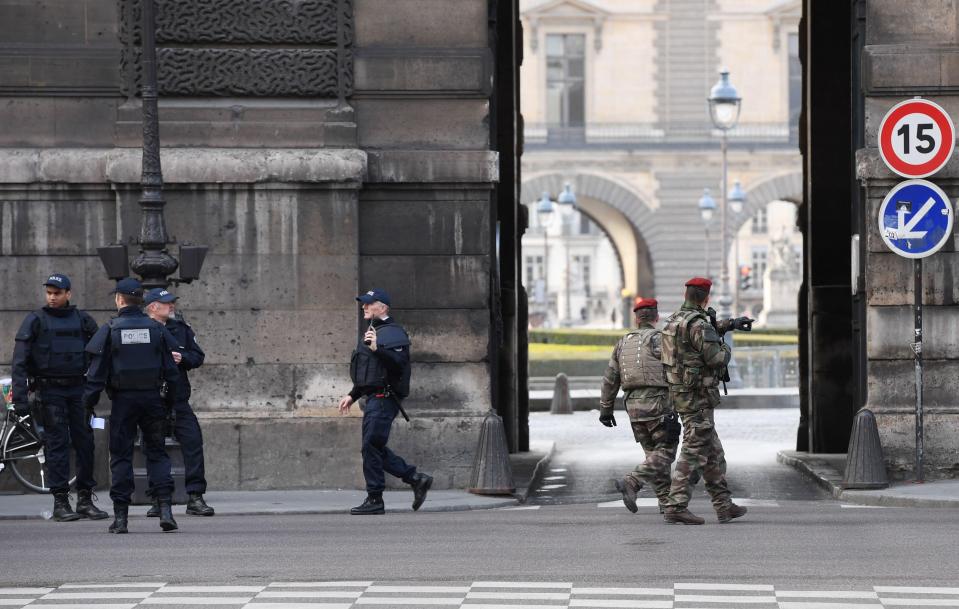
[917, 349]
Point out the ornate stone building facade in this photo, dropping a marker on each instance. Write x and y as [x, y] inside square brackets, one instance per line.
[318, 147]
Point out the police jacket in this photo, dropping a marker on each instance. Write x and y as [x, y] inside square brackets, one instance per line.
[50, 343]
[387, 368]
[189, 348]
[130, 353]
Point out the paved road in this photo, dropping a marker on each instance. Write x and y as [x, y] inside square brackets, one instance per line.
[794, 539]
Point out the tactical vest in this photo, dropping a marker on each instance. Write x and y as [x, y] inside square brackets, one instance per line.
[57, 350]
[638, 367]
[367, 370]
[684, 365]
[136, 353]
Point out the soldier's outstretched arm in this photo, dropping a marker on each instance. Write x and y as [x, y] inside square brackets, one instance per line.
[706, 339]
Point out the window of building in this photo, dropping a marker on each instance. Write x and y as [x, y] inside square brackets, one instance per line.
[581, 264]
[760, 260]
[795, 86]
[565, 78]
[761, 222]
[534, 269]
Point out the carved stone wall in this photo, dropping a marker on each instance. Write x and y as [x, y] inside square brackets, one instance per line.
[244, 48]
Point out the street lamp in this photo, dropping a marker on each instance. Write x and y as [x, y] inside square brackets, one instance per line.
[567, 199]
[707, 207]
[153, 264]
[544, 213]
[737, 200]
[724, 106]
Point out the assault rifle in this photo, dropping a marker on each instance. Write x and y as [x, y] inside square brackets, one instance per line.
[743, 324]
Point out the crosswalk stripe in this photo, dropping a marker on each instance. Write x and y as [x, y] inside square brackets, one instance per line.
[394, 600]
[123, 585]
[502, 606]
[421, 589]
[640, 501]
[745, 600]
[312, 594]
[86, 605]
[197, 600]
[349, 584]
[851, 506]
[826, 605]
[616, 603]
[15, 602]
[26, 590]
[915, 590]
[213, 588]
[299, 605]
[524, 596]
[919, 602]
[734, 587]
[76, 596]
[520, 508]
[825, 594]
[635, 591]
[522, 585]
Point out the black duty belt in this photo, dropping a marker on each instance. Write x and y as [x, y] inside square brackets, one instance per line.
[386, 393]
[61, 381]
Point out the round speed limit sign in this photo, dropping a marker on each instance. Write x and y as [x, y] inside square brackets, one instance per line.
[916, 138]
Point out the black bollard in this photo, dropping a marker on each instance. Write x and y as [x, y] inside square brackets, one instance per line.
[865, 466]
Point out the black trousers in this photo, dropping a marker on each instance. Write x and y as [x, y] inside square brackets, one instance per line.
[143, 410]
[65, 425]
[378, 415]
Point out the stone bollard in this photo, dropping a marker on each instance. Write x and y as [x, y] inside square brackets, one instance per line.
[492, 472]
[562, 403]
[865, 466]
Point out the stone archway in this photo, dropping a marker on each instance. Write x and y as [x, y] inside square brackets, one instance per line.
[783, 187]
[617, 210]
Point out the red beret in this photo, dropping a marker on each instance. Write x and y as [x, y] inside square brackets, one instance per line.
[644, 303]
[700, 282]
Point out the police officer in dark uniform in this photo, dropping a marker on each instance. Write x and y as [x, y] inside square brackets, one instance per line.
[49, 358]
[133, 361]
[380, 370]
[161, 307]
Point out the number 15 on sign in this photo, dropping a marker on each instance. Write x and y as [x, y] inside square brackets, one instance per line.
[916, 138]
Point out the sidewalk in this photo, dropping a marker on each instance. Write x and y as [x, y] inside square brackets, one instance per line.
[527, 470]
[827, 471]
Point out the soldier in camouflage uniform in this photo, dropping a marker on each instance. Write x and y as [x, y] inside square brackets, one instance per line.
[636, 366]
[695, 357]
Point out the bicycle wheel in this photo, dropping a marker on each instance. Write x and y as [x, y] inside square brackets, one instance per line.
[23, 453]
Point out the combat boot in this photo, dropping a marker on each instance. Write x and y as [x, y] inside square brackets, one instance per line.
[628, 486]
[86, 508]
[167, 523]
[682, 517]
[372, 505]
[120, 514]
[62, 512]
[726, 514]
[154, 511]
[421, 485]
[196, 506]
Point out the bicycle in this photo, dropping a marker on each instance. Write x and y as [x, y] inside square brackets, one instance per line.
[21, 448]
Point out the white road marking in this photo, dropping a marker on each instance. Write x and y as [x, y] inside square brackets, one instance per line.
[421, 589]
[15, 602]
[554, 478]
[525, 596]
[412, 600]
[197, 600]
[298, 606]
[26, 590]
[86, 606]
[213, 588]
[824, 605]
[552, 487]
[124, 585]
[520, 508]
[925, 602]
[861, 507]
[825, 594]
[522, 585]
[915, 590]
[713, 586]
[757, 502]
[353, 584]
[615, 603]
[745, 600]
[640, 501]
[635, 591]
[76, 596]
[312, 594]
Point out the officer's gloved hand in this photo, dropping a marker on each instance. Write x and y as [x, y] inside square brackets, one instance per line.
[21, 408]
[606, 416]
[743, 324]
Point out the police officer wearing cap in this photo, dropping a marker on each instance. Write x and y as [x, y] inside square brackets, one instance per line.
[161, 307]
[49, 358]
[380, 371]
[133, 361]
[636, 366]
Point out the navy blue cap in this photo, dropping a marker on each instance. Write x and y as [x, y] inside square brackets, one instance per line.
[374, 295]
[129, 286]
[58, 280]
[158, 295]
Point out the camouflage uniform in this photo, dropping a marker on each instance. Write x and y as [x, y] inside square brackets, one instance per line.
[695, 358]
[636, 366]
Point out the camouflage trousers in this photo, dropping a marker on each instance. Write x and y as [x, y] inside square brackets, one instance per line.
[659, 439]
[702, 451]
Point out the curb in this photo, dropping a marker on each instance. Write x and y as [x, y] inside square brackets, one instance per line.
[826, 476]
[538, 472]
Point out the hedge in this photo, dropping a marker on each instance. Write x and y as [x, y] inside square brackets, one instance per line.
[608, 338]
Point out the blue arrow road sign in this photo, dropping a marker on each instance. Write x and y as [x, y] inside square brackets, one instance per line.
[915, 219]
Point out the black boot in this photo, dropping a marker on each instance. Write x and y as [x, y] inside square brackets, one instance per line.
[421, 485]
[154, 511]
[86, 508]
[120, 514]
[372, 505]
[196, 506]
[62, 512]
[167, 523]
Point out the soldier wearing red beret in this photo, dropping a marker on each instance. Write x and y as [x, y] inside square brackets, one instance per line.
[695, 357]
[636, 366]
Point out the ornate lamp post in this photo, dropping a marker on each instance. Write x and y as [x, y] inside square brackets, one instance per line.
[153, 264]
[707, 207]
[567, 201]
[724, 107]
[544, 213]
[737, 199]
